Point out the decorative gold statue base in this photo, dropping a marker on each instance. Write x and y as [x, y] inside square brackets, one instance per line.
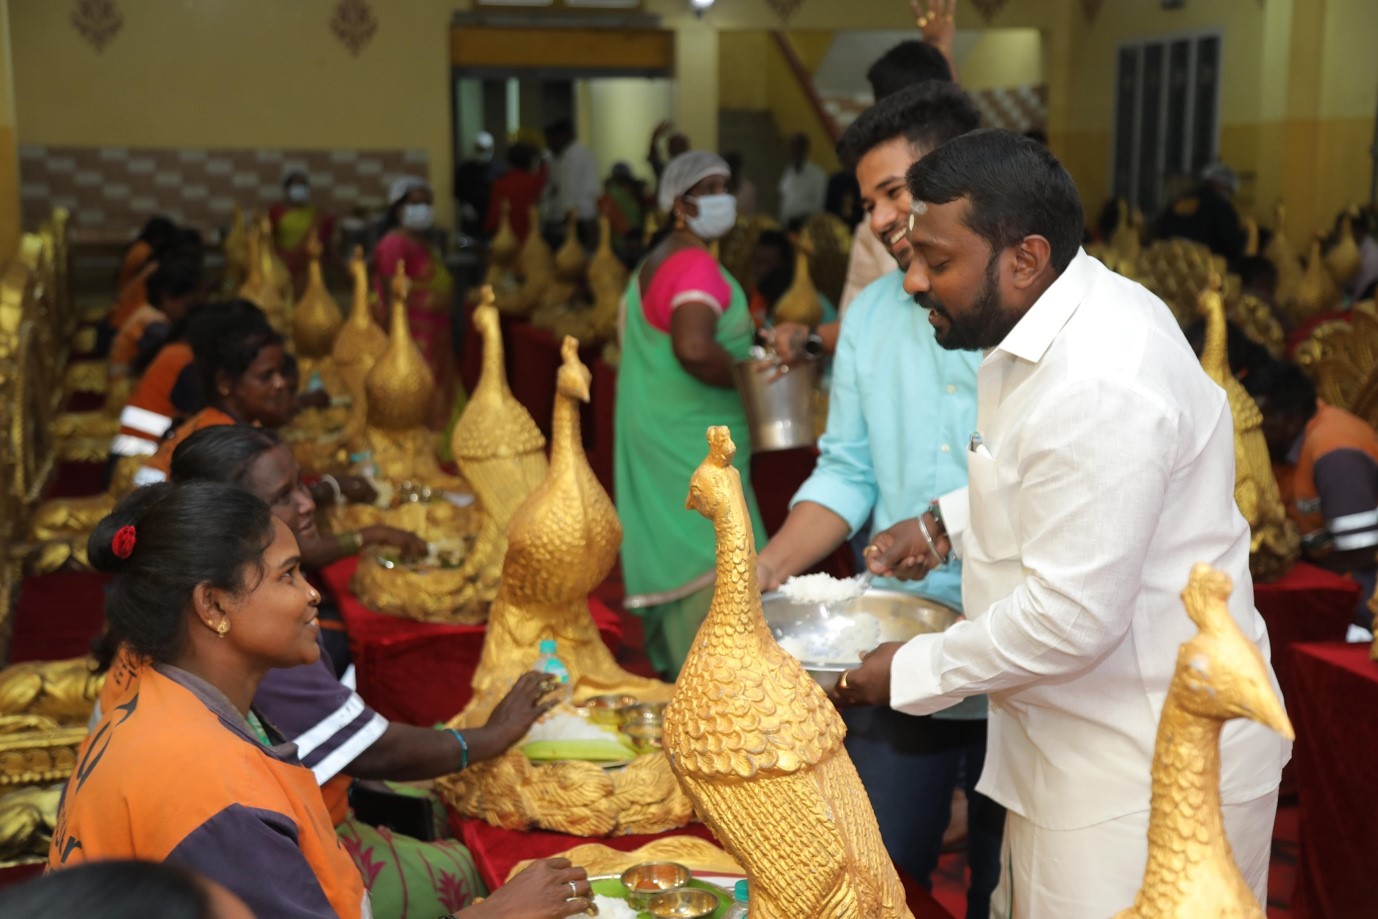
[562, 542]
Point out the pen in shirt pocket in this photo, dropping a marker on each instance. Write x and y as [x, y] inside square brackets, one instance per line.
[977, 445]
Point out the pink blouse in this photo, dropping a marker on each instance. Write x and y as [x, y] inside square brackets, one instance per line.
[687, 276]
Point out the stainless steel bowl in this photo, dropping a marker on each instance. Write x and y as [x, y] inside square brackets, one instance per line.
[646, 880]
[901, 616]
[685, 903]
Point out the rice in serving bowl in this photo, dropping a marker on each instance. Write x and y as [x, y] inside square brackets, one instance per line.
[821, 588]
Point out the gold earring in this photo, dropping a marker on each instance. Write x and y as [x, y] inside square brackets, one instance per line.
[222, 628]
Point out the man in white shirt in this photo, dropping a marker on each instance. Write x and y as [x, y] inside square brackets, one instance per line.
[573, 184]
[1102, 469]
[804, 184]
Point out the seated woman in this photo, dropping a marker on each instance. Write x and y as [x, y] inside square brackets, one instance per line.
[208, 596]
[242, 368]
[170, 291]
[687, 325]
[139, 262]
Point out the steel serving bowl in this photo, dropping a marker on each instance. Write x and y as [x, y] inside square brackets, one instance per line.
[608, 709]
[685, 903]
[816, 626]
[646, 880]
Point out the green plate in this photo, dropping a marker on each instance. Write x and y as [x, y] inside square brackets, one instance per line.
[613, 887]
[593, 751]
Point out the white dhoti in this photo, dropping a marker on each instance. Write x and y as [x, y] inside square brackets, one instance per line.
[1096, 871]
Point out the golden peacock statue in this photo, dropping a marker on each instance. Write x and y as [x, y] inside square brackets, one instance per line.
[829, 250]
[562, 542]
[800, 302]
[317, 434]
[504, 274]
[268, 284]
[1275, 541]
[757, 744]
[1279, 252]
[1342, 259]
[607, 281]
[1316, 292]
[1220, 675]
[536, 266]
[358, 345]
[236, 248]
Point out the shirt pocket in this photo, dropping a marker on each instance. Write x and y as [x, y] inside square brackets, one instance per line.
[994, 508]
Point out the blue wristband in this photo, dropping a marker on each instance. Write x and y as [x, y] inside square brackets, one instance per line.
[463, 748]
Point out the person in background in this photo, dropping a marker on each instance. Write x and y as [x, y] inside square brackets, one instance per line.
[474, 179]
[676, 144]
[122, 889]
[430, 291]
[624, 201]
[1099, 477]
[1362, 286]
[242, 366]
[573, 185]
[803, 185]
[686, 327]
[900, 410]
[157, 235]
[294, 219]
[774, 272]
[740, 186]
[1207, 214]
[843, 198]
[1326, 461]
[519, 188]
[208, 599]
[170, 290]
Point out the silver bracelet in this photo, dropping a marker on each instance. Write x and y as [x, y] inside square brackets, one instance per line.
[334, 487]
[932, 546]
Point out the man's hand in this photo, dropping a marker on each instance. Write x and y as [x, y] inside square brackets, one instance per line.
[903, 553]
[868, 684]
[789, 340]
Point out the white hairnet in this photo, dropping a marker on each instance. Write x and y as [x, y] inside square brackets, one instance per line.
[484, 139]
[1219, 172]
[684, 172]
[401, 187]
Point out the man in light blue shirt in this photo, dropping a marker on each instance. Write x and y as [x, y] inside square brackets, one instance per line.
[900, 411]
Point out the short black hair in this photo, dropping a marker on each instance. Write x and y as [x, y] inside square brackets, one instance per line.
[178, 276]
[1014, 188]
[222, 453]
[111, 889]
[522, 156]
[158, 231]
[927, 115]
[907, 63]
[184, 535]
[1289, 393]
[227, 336]
[560, 126]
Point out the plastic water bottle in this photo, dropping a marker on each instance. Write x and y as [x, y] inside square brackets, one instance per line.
[364, 465]
[738, 908]
[549, 663]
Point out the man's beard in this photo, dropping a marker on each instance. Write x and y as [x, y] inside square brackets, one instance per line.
[984, 325]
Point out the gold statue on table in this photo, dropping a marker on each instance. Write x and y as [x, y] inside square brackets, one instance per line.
[44, 709]
[317, 434]
[1220, 675]
[268, 284]
[757, 744]
[562, 542]
[358, 345]
[1275, 541]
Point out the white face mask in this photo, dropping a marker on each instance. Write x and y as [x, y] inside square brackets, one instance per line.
[717, 215]
[418, 217]
[298, 193]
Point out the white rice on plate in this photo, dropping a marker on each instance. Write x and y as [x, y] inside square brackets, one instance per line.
[562, 726]
[839, 641]
[820, 588]
[611, 908]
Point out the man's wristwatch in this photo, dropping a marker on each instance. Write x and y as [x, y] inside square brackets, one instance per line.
[813, 345]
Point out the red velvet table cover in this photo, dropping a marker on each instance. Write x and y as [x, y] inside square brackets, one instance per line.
[1334, 709]
[58, 615]
[497, 851]
[534, 357]
[1309, 604]
[420, 672]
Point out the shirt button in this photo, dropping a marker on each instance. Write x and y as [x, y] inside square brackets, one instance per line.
[951, 389]
[945, 448]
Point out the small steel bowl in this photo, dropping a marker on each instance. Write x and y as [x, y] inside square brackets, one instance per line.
[608, 709]
[648, 879]
[644, 713]
[684, 903]
[644, 737]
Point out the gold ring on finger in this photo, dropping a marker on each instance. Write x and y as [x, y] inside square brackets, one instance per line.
[842, 683]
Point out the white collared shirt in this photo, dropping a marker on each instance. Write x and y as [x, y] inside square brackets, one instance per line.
[1104, 470]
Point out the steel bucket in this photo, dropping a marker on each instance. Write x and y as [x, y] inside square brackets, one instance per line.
[779, 409]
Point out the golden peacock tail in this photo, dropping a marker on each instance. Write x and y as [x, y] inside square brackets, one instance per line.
[317, 319]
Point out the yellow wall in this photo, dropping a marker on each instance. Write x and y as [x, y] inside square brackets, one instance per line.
[247, 73]
[1002, 58]
[9, 150]
[620, 114]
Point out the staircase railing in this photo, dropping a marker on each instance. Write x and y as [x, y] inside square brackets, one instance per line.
[805, 81]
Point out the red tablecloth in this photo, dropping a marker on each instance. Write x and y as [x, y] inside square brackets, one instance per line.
[496, 852]
[1333, 708]
[603, 400]
[58, 615]
[534, 358]
[1309, 604]
[420, 672]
